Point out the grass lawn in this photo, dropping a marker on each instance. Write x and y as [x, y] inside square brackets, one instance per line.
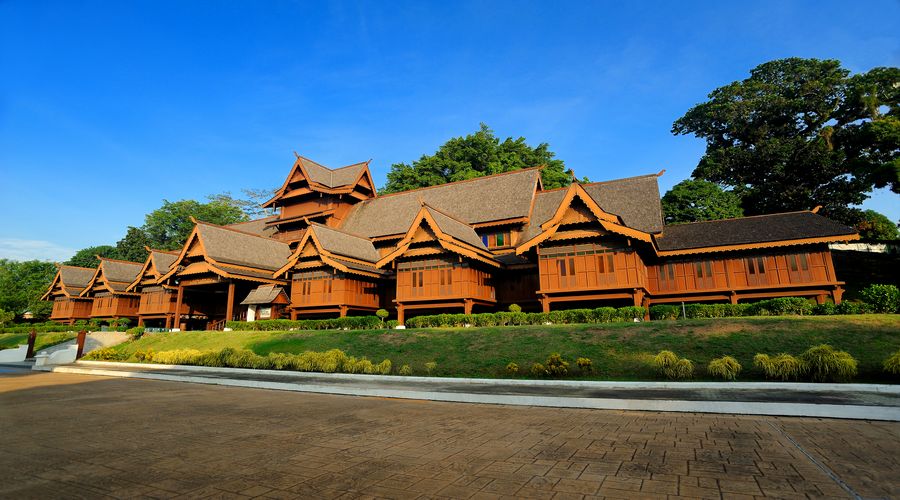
[619, 351]
[43, 340]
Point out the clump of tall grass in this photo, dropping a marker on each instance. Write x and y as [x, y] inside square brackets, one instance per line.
[672, 367]
[726, 368]
[781, 367]
[822, 363]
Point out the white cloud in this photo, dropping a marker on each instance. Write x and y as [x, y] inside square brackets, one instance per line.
[18, 249]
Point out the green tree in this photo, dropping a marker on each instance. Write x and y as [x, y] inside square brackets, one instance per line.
[250, 203]
[86, 257]
[799, 133]
[131, 247]
[476, 155]
[876, 226]
[169, 226]
[23, 283]
[695, 200]
[6, 317]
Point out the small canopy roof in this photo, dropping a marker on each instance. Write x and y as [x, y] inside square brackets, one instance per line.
[264, 295]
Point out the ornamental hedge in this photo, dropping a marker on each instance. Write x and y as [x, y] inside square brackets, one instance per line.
[347, 323]
[773, 307]
[598, 315]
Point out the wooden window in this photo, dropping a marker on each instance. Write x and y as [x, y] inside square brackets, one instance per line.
[667, 276]
[756, 270]
[494, 240]
[704, 274]
[798, 268]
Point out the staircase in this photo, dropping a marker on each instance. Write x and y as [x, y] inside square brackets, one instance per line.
[217, 325]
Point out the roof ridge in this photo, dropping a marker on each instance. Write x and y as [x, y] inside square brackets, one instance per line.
[742, 217]
[78, 267]
[254, 220]
[348, 233]
[618, 180]
[170, 252]
[518, 171]
[219, 226]
[120, 260]
[429, 207]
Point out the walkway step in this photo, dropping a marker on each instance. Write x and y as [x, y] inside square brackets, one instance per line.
[853, 401]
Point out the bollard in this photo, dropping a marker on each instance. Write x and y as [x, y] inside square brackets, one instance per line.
[32, 337]
[82, 335]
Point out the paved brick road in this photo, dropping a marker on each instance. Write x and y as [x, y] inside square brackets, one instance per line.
[81, 436]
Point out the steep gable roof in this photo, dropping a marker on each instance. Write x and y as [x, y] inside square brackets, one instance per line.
[455, 228]
[318, 176]
[71, 279]
[231, 246]
[163, 260]
[263, 294]
[117, 275]
[258, 227]
[634, 199]
[483, 199]
[342, 243]
[762, 230]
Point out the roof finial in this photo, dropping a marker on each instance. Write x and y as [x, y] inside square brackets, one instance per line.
[816, 209]
[572, 175]
[297, 155]
[661, 172]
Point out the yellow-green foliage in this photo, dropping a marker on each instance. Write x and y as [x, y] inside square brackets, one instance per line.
[672, 367]
[538, 370]
[584, 364]
[892, 364]
[405, 370]
[822, 363]
[556, 365]
[512, 368]
[430, 366]
[106, 354]
[781, 367]
[725, 367]
[332, 361]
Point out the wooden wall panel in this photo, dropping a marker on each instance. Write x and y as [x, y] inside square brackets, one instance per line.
[589, 267]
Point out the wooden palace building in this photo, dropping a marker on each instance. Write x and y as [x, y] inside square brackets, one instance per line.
[335, 247]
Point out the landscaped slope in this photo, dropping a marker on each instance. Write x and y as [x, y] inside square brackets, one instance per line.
[618, 350]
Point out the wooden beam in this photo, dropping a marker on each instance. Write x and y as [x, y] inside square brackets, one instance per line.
[178, 301]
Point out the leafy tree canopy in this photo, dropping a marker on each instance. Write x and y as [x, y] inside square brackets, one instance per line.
[132, 246]
[799, 133]
[168, 227]
[477, 155]
[695, 200]
[86, 257]
[876, 226]
[23, 283]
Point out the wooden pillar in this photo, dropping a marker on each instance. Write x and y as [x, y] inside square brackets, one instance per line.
[545, 304]
[837, 293]
[646, 305]
[32, 337]
[178, 300]
[82, 335]
[229, 308]
[400, 315]
[467, 306]
[168, 321]
[293, 314]
[638, 296]
[820, 299]
[344, 311]
[734, 298]
[140, 321]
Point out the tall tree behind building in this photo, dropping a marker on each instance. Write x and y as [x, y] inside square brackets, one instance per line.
[477, 155]
[799, 133]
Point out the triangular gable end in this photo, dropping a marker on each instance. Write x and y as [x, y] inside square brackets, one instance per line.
[192, 246]
[57, 280]
[579, 206]
[98, 275]
[419, 233]
[309, 246]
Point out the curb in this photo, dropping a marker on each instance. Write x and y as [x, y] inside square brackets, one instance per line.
[159, 372]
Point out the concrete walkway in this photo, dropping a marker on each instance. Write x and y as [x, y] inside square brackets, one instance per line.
[94, 340]
[852, 401]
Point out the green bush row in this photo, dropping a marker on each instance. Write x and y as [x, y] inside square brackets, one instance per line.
[348, 323]
[599, 315]
[772, 307]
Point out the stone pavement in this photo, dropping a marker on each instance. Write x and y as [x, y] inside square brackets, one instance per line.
[74, 436]
[94, 340]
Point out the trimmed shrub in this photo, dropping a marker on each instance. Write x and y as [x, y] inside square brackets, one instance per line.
[826, 309]
[405, 370]
[852, 307]
[143, 356]
[382, 314]
[556, 366]
[430, 367]
[892, 364]
[584, 365]
[512, 369]
[664, 311]
[631, 313]
[882, 298]
[822, 363]
[347, 323]
[672, 367]
[726, 368]
[538, 370]
[136, 332]
[781, 367]
[515, 308]
[391, 324]
[106, 354]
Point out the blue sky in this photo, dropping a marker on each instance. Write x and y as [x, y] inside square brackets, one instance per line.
[106, 108]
